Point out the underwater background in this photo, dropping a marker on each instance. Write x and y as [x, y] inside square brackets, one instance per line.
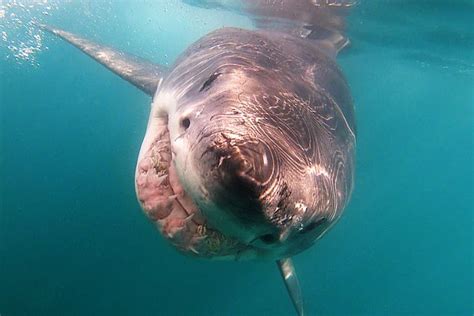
[73, 240]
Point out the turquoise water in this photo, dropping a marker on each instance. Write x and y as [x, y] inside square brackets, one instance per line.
[73, 240]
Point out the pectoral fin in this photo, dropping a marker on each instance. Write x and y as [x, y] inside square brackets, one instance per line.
[142, 73]
[287, 270]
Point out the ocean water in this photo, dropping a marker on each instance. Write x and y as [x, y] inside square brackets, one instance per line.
[73, 240]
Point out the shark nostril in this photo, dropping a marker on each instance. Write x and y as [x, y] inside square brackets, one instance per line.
[185, 123]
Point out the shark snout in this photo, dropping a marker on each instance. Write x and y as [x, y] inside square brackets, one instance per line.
[236, 173]
[246, 168]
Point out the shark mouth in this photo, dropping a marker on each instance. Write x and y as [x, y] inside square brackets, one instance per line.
[167, 204]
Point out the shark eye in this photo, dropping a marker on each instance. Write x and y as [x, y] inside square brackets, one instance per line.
[185, 123]
[207, 84]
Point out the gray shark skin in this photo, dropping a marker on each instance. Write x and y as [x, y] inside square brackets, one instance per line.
[250, 144]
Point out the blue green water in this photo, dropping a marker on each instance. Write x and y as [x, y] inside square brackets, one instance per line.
[73, 240]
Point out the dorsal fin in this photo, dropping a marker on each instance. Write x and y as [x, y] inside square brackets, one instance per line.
[288, 272]
[320, 20]
[142, 73]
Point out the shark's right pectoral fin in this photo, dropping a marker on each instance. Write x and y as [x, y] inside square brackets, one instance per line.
[287, 270]
[142, 73]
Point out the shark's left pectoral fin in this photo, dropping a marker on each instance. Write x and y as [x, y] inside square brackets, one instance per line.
[287, 270]
[142, 73]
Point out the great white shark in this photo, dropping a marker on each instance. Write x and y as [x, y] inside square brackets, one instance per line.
[250, 144]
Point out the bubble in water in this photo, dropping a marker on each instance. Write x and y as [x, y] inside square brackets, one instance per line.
[20, 36]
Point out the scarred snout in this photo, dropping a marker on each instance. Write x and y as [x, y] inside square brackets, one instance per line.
[244, 166]
[236, 173]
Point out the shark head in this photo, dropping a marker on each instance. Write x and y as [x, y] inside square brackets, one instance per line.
[236, 164]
